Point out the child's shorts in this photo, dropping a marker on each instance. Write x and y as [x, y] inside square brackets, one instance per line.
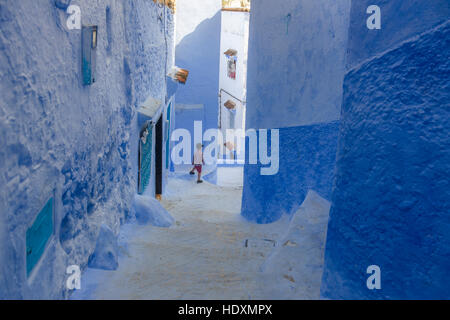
[198, 167]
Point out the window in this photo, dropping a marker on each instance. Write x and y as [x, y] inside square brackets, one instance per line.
[232, 69]
[231, 63]
[38, 235]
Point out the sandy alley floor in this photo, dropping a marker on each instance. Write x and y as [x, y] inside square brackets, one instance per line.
[205, 255]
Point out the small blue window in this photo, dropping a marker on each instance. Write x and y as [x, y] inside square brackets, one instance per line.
[38, 235]
[89, 53]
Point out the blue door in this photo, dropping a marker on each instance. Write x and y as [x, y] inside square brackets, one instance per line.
[145, 158]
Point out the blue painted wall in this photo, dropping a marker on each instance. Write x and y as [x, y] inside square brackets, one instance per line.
[400, 21]
[296, 62]
[390, 204]
[296, 68]
[59, 138]
[186, 116]
[307, 158]
[198, 50]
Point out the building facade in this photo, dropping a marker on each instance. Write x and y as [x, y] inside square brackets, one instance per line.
[233, 74]
[197, 50]
[74, 166]
[296, 67]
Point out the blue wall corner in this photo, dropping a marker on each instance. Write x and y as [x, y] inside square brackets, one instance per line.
[390, 201]
[307, 158]
[199, 52]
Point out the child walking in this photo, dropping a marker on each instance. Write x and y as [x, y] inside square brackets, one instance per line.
[198, 162]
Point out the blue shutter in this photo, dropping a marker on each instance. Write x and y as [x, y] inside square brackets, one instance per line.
[38, 235]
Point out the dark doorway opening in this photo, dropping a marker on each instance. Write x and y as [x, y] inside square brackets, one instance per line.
[159, 156]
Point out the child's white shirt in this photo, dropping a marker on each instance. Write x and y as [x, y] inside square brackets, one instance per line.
[198, 157]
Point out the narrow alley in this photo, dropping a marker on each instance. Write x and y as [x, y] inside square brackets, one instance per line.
[211, 252]
[224, 150]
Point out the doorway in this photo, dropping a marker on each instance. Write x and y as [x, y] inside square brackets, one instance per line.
[159, 157]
